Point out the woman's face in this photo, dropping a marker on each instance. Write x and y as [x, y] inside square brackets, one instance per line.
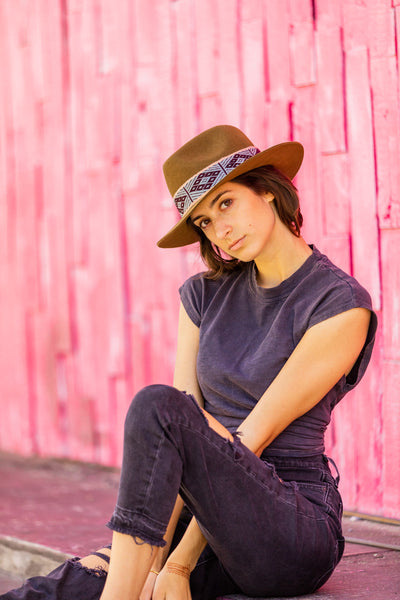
[237, 220]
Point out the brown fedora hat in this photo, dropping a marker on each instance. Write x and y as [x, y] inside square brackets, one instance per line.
[210, 159]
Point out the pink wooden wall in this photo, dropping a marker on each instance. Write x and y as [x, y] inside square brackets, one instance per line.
[94, 95]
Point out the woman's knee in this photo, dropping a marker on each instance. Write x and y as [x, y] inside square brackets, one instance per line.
[150, 403]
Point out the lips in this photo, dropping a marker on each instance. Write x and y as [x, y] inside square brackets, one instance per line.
[236, 244]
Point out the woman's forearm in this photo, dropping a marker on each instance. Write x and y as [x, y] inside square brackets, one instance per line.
[190, 547]
[162, 553]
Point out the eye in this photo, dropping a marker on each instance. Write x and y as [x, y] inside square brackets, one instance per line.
[203, 223]
[225, 203]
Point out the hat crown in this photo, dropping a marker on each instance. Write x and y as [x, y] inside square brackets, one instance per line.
[200, 152]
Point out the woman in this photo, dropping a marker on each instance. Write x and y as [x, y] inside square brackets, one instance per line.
[269, 340]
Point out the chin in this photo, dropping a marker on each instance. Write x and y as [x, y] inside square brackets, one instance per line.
[244, 256]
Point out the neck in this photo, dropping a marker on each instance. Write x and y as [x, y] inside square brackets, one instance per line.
[281, 259]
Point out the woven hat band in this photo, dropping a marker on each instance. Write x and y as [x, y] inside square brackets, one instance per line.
[203, 181]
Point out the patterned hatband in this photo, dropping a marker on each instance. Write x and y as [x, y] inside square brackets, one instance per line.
[203, 181]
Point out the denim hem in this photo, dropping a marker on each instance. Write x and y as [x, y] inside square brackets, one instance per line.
[140, 532]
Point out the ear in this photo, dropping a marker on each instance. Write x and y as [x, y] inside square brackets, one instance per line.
[269, 196]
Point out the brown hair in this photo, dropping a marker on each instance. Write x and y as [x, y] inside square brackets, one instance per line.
[261, 180]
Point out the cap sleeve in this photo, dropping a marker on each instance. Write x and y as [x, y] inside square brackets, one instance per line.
[364, 357]
[191, 293]
[339, 293]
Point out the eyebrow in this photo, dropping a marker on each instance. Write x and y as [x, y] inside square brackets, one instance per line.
[213, 201]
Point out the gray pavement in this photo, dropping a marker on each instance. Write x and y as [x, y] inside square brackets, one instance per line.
[52, 509]
[9, 581]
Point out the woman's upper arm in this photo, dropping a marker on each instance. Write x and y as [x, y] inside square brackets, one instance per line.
[185, 374]
[326, 352]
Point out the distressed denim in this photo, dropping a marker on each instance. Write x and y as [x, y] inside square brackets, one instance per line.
[273, 528]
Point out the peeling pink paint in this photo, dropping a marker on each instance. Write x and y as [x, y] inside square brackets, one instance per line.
[93, 97]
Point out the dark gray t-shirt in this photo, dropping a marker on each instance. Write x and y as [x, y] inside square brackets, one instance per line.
[247, 333]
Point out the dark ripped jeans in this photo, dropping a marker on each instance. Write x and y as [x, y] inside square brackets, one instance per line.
[273, 528]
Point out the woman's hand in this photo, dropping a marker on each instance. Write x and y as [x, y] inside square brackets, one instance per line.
[173, 583]
[148, 588]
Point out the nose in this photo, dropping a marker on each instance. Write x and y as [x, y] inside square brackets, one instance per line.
[221, 228]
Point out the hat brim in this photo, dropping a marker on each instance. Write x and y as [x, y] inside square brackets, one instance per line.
[286, 157]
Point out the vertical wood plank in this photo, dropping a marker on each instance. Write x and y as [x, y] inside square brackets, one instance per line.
[362, 169]
[343, 451]
[355, 25]
[184, 76]
[130, 141]
[54, 184]
[16, 434]
[206, 64]
[330, 75]
[45, 380]
[391, 439]
[308, 178]
[22, 117]
[357, 443]
[381, 21]
[335, 194]
[397, 23]
[277, 72]
[302, 42]
[230, 72]
[161, 91]
[386, 122]
[18, 223]
[81, 411]
[331, 121]
[390, 245]
[368, 399]
[277, 27]
[5, 145]
[254, 71]
[78, 50]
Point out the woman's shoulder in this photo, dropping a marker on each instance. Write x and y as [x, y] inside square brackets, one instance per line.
[328, 291]
[199, 290]
[329, 279]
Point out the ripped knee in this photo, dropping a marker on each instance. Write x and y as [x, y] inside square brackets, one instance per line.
[95, 563]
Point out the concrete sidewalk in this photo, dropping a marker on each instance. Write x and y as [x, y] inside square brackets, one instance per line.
[51, 509]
